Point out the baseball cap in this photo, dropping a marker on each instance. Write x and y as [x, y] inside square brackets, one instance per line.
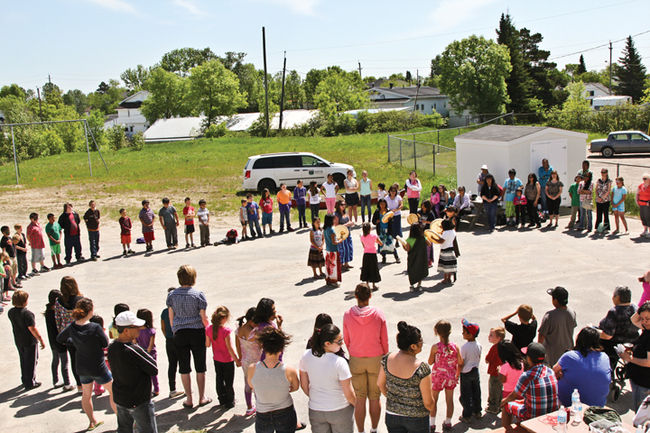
[484, 167]
[472, 328]
[536, 352]
[560, 294]
[128, 318]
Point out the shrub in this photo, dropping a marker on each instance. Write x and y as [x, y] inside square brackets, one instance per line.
[216, 131]
[116, 137]
[136, 141]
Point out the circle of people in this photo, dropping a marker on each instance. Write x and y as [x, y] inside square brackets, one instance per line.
[527, 379]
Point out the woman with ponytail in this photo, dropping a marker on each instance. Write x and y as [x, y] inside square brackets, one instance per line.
[326, 379]
[406, 383]
[248, 351]
[89, 340]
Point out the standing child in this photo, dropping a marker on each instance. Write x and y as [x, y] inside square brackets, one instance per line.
[585, 189]
[10, 282]
[112, 330]
[447, 261]
[523, 333]
[619, 193]
[243, 219]
[170, 348]
[332, 260]
[91, 217]
[97, 388]
[59, 351]
[147, 340]
[512, 367]
[7, 246]
[284, 206]
[36, 242]
[314, 200]
[511, 186]
[266, 204]
[189, 212]
[299, 195]
[203, 214]
[316, 259]
[330, 188]
[645, 282]
[21, 251]
[434, 198]
[381, 191]
[384, 231]
[169, 222]
[446, 363]
[26, 336]
[495, 386]
[370, 267]
[225, 358]
[253, 210]
[417, 265]
[147, 219]
[248, 351]
[520, 203]
[53, 232]
[125, 233]
[470, 384]
[575, 201]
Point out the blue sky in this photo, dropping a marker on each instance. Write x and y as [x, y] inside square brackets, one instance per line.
[83, 42]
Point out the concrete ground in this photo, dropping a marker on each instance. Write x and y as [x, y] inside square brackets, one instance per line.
[630, 167]
[497, 272]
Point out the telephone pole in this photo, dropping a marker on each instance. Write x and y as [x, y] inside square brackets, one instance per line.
[360, 70]
[266, 82]
[284, 70]
[40, 108]
[610, 67]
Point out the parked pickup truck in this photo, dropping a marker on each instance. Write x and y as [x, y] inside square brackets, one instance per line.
[621, 142]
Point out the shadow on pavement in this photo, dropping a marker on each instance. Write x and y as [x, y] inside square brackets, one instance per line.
[307, 280]
[319, 291]
[210, 421]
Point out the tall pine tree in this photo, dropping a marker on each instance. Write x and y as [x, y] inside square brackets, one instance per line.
[582, 68]
[631, 73]
[518, 83]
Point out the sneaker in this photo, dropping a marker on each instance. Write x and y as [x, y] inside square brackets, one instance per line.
[67, 388]
[464, 420]
[130, 252]
[174, 394]
[432, 429]
[97, 256]
[35, 385]
[478, 415]
[251, 411]
[124, 254]
[187, 245]
[492, 411]
[35, 272]
[446, 426]
[81, 259]
[193, 245]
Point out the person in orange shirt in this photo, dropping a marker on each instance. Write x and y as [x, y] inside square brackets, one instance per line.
[284, 204]
[643, 200]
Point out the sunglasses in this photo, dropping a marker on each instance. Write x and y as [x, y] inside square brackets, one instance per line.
[339, 342]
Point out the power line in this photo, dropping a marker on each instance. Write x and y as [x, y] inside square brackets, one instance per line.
[597, 47]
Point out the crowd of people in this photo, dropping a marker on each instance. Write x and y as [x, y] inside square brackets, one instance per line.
[527, 378]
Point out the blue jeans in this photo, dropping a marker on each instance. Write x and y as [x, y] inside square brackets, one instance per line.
[470, 392]
[285, 212]
[491, 211]
[144, 416]
[253, 224]
[407, 424]
[62, 359]
[280, 421]
[542, 199]
[639, 393]
[70, 242]
[302, 220]
[586, 216]
[366, 204]
[93, 240]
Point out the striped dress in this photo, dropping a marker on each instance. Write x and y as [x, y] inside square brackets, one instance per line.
[346, 252]
[447, 262]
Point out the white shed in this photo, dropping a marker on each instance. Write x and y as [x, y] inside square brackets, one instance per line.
[502, 147]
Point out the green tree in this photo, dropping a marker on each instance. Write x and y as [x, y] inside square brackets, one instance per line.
[107, 96]
[250, 84]
[294, 94]
[631, 74]
[77, 100]
[13, 90]
[181, 61]
[340, 91]
[582, 68]
[408, 77]
[576, 101]
[96, 127]
[313, 77]
[546, 79]
[134, 78]
[231, 60]
[518, 82]
[167, 96]
[52, 94]
[473, 74]
[214, 90]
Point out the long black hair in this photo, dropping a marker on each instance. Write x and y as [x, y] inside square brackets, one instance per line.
[416, 231]
[587, 340]
[588, 178]
[264, 311]
[511, 354]
[321, 336]
[534, 176]
[250, 315]
[329, 221]
[407, 335]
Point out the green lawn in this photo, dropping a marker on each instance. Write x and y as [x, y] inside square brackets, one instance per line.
[204, 168]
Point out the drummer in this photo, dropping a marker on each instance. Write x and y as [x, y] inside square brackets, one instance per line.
[426, 216]
[451, 213]
[394, 203]
[384, 231]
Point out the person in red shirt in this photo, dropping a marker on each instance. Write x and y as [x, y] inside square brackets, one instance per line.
[495, 386]
[643, 200]
[266, 204]
[189, 213]
[36, 241]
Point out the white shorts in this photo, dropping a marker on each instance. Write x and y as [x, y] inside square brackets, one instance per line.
[37, 255]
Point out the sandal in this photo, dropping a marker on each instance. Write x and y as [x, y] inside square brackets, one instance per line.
[206, 401]
[302, 426]
[93, 427]
[187, 405]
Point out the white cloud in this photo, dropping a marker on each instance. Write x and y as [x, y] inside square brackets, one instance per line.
[302, 7]
[450, 13]
[115, 5]
[190, 6]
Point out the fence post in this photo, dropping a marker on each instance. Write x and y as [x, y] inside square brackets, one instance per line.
[618, 168]
[13, 144]
[415, 156]
[388, 136]
[400, 151]
[434, 163]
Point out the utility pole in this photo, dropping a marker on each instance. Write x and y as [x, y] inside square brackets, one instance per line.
[360, 70]
[610, 67]
[417, 91]
[40, 108]
[266, 82]
[284, 70]
[49, 78]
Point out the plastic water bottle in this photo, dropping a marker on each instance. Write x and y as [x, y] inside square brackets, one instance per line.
[576, 408]
[561, 420]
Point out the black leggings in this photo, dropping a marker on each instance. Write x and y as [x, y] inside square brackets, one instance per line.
[532, 212]
[172, 361]
[190, 343]
[315, 209]
[602, 214]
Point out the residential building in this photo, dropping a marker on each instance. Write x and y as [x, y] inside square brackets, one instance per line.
[129, 115]
[424, 100]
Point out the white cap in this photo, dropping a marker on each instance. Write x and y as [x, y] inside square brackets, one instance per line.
[128, 318]
[484, 167]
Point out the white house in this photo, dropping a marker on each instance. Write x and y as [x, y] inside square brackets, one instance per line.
[502, 147]
[610, 100]
[426, 100]
[595, 90]
[129, 115]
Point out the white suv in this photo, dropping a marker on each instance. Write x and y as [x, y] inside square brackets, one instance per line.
[271, 169]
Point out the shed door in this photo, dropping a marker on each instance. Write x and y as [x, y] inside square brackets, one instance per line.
[556, 153]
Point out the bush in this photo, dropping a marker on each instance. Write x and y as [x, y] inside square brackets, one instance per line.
[53, 143]
[136, 141]
[605, 120]
[116, 137]
[215, 131]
